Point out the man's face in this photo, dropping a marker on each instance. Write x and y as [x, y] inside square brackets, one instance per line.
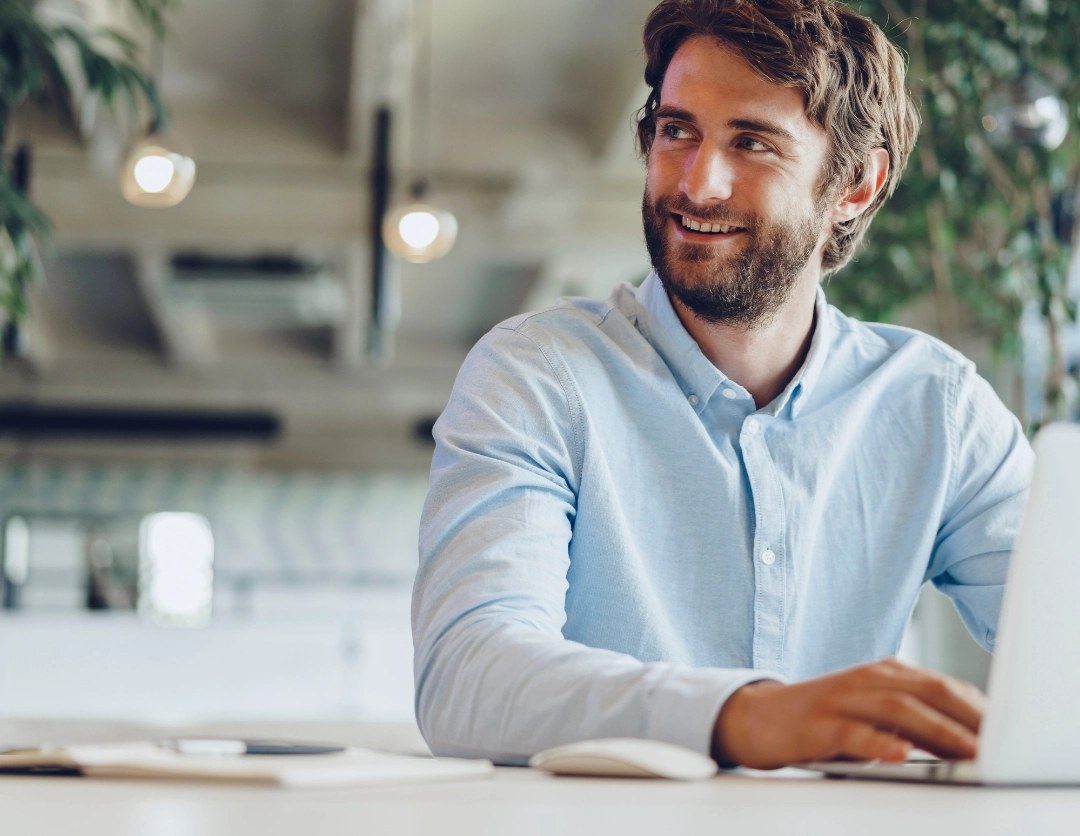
[732, 211]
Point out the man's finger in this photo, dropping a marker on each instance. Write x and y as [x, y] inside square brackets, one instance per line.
[964, 703]
[864, 742]
[959, 700]
[911, 719]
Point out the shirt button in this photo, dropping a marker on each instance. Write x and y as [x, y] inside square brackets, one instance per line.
[768, 557]
[693, 399]
[730, 393]
[752, 426]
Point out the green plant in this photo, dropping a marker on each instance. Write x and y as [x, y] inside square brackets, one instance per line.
[33, 72]
[976, 223]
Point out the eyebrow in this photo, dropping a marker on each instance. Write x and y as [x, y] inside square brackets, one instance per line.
[763, 128]
[754, 125]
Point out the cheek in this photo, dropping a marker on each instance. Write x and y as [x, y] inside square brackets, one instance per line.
[775, 197]
[663, 172]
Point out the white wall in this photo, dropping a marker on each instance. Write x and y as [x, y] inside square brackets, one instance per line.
[311, 654]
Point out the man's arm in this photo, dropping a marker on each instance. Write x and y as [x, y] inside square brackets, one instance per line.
[992, 467]
[494, 675]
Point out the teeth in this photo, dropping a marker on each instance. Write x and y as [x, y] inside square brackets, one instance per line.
[697, 226]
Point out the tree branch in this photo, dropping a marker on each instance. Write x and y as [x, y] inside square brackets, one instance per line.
[999, 174]
[931, 170]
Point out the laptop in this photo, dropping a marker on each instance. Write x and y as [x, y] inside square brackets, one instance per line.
[1030, 733]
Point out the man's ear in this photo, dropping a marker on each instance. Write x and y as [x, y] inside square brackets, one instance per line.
[855, 201]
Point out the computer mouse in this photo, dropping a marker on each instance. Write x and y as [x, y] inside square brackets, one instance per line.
[625, 757]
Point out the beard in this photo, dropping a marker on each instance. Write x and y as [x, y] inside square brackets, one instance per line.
[745, 288]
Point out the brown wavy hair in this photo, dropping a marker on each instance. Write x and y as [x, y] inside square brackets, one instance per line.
[850, 75]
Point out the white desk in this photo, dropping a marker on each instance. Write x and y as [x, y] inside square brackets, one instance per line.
[517, 801]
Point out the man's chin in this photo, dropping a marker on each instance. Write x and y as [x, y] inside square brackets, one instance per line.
[689, 283]
[697, 269]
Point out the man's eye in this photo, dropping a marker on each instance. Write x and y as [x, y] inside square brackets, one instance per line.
[675, 132]
[751, 144]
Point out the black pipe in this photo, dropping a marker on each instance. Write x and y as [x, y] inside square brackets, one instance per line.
[380, 202]
[31, 421]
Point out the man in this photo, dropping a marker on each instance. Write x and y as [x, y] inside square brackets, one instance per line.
[677, 513]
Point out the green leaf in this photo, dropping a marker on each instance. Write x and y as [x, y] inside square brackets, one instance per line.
[30, 70]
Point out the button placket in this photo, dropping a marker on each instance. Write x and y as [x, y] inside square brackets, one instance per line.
[767, 541]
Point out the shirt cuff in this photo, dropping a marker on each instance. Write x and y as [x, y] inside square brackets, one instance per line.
[686, 705]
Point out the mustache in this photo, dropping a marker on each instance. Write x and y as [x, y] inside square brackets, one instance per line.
[680, 204]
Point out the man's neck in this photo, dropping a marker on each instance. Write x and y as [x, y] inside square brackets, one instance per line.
[762, 359]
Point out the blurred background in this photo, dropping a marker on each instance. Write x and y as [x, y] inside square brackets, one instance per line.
[246, 246]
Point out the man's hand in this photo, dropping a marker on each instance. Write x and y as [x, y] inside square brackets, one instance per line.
[879, 710]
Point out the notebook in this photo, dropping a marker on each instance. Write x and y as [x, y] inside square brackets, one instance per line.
[352, 767]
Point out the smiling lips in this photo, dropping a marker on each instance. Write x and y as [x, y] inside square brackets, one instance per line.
[704, 226]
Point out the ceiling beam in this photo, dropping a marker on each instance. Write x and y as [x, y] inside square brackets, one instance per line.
[185, 330]
[379, 133]
[89, 212]
[381, 74]
[351, 334]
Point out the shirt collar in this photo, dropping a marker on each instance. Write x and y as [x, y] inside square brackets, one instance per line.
[661, 326]
[696, 374]
[803, 382]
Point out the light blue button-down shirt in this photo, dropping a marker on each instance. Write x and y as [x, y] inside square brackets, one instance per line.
[616, 537]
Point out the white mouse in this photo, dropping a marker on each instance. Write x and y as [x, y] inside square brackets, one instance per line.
[625, 757]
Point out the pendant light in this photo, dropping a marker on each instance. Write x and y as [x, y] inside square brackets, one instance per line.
[418, 231]
[158, 169]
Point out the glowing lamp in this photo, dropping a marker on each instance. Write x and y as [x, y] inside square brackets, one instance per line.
[158, 171]
[419, 233]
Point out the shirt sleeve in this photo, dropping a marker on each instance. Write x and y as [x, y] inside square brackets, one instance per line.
[495, 677]
[991, 472]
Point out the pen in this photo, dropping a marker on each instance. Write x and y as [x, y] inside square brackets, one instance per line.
[215, 747]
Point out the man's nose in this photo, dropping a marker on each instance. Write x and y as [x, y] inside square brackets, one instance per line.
[708, 176]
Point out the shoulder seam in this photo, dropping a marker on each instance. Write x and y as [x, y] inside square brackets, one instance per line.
[611, 309]
[523, 319]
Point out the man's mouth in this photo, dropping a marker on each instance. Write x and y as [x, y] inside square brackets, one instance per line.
[707, 228]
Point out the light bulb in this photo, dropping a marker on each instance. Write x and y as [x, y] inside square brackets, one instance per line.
[419, 233]
[419, 229]
[153, 173]
[158, 170]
